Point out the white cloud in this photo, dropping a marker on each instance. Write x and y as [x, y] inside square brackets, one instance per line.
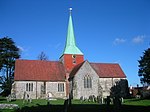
[119, 41]
[25, 51]
[138, 39]
[20, 48]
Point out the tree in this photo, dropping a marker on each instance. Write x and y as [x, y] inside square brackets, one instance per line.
[120, 89]
[8, 54]
[144, 67]
[42, 56]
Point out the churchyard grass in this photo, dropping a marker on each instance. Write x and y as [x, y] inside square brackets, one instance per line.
[137, 102]
[77, 105]
[34, 103]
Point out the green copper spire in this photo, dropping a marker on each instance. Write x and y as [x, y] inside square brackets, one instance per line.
[71, 47]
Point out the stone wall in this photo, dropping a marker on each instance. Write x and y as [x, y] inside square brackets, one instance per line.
[20, 88]
[51, 87]
[78, 82]
[106, 84]
[100, 86]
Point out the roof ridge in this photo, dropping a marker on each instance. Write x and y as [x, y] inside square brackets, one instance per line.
[37, 60]
[102, 63]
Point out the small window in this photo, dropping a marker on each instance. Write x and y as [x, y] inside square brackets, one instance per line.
[60, 87]
[29, 86]
[74, 56]
[74, 59]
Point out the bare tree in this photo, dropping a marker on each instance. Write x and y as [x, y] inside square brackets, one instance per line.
[42, 56]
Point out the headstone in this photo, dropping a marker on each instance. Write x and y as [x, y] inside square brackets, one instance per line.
[81, 99]
[122, 100]
[49, 96]
[102, 100]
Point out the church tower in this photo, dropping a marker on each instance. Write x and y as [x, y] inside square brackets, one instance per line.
[71, 55]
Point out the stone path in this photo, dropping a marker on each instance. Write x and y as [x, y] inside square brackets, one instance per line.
[9, 106]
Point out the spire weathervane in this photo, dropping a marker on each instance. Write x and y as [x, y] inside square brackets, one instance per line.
[70, 10]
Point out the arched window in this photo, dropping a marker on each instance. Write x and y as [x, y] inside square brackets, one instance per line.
[87, 82]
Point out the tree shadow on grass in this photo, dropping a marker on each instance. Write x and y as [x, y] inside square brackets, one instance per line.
[111, 108]
[2, 99]
[85, 108]
[42, 108]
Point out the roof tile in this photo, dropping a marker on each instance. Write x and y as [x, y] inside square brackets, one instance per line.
[104, 70]
[39, 70]
[107, 70]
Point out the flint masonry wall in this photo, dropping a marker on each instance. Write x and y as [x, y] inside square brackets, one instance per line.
[51, 87]
[106, 84]
[78, 86]
[100, 86]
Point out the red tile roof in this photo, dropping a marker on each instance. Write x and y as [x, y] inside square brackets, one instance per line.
[39, 70]
[104, 70]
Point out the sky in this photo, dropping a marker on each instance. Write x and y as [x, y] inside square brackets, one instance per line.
[106, 31]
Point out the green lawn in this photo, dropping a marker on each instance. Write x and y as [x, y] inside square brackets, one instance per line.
[137, 102]
[41, 105]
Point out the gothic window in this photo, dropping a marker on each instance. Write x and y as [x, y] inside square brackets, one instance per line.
[60, 87]
[29, 86]
[87, 82]
[74, 59]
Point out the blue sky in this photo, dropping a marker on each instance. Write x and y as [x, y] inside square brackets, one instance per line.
[106, 31]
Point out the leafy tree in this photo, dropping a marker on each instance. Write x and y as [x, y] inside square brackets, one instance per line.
[8, 54]
[42, 56]
[120, 89]
[144, 67]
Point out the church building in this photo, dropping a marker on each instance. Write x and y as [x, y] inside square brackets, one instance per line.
[71, 75]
